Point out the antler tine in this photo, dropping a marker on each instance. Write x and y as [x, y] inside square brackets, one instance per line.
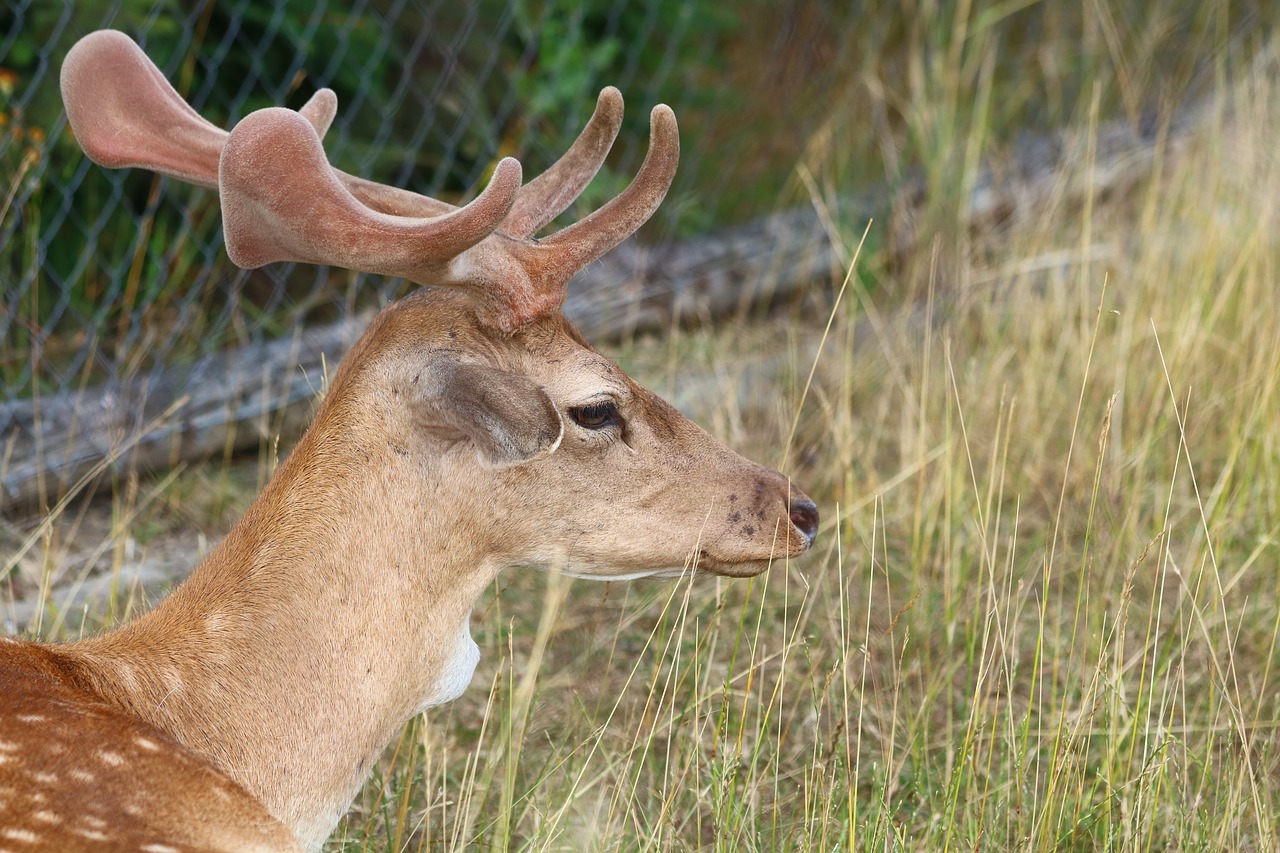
[546, 196]
[125, 113]
[572, 248]
[523, 279]
[282, 201]
[320, 109]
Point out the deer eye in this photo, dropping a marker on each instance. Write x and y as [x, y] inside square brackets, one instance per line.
[596, 415]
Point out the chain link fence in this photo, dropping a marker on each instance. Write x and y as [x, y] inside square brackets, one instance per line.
[118, 305]
[110, 277]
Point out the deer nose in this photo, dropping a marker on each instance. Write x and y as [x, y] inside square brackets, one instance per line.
[804, 515]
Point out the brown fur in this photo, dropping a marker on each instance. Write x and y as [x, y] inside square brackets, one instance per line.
[77, 773]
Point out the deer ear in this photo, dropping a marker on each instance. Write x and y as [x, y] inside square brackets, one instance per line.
[508, 418]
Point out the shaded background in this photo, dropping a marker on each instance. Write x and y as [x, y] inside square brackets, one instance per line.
[108, 274]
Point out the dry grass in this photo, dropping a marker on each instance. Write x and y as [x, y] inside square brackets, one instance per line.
[1042, 614]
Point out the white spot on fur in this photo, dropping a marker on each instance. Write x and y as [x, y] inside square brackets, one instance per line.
[159, 848]
[91, 834]
[82, 776]
[24, 835]
[214, 623]
[124, 674]
[7, 746]
[44, 816]
[172, 680]
[145, 743]
[30, 718]
[115, 759]
[45, 778]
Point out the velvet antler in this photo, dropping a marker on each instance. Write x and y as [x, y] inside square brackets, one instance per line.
[282, 200]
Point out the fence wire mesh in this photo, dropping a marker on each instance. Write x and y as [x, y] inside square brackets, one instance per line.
[111, 275]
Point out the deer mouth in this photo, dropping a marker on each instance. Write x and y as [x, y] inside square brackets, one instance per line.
[759, 532]
[747, 569]
[787, 543]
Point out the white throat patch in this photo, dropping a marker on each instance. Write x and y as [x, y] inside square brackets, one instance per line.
[458, 669]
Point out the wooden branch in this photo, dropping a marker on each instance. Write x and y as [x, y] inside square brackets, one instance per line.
[226, 402]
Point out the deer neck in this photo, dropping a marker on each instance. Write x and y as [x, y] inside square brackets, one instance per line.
[313, 632]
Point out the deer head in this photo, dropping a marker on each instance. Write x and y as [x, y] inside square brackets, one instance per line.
[490, 380]
[471, 428]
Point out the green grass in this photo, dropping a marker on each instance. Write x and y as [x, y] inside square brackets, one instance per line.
[1043, 610]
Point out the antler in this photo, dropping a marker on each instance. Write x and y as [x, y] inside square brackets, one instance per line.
[282, 200]
[313, 217]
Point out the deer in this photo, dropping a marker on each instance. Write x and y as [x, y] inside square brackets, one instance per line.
[471, 429]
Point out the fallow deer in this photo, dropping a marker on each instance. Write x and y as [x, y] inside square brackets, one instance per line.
[470, 429]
